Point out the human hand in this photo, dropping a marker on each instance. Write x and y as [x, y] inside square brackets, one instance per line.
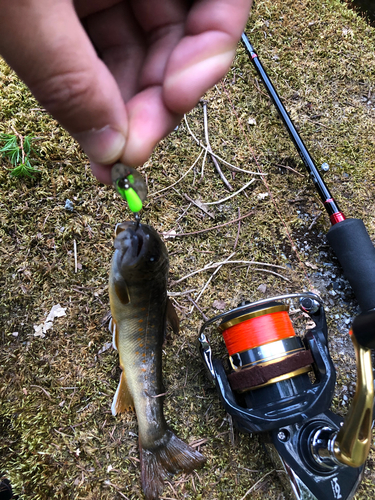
[118, 74]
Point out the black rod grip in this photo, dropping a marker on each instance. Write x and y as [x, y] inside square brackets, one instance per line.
[364, 329]
[353, 247]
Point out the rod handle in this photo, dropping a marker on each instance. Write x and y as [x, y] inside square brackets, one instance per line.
[353, 247]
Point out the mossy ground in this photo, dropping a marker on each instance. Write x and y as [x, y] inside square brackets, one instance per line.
[58, 438]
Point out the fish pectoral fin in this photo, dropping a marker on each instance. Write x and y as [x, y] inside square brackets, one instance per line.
[123, 400]
[172, 318]
[112, 327]
[122, 292]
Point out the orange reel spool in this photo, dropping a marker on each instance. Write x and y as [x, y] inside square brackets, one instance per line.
[259, 328]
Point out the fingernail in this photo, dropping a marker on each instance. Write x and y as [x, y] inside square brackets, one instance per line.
[103, 146]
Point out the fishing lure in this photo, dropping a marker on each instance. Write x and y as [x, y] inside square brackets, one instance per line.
[130, 185]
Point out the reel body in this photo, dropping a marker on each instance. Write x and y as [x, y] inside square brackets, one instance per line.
[281, 385]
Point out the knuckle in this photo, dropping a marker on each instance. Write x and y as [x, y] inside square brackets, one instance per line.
[64, 91]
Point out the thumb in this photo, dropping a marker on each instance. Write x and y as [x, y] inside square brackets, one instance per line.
[52, 53]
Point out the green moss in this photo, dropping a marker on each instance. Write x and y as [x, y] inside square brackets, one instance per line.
[59, 439]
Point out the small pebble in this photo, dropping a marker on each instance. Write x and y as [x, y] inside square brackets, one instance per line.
[69, 205]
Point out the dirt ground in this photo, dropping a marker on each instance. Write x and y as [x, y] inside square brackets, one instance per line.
[58, 438]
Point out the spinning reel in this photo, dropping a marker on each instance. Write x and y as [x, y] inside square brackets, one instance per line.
[281, 385]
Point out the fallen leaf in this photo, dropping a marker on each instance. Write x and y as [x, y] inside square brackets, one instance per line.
[262, 288]
[169, 235]
[251, 121]
[39, 330]
[312, 266]
[47, 326]
[105, 347]
[219, 304]
[56, 312]
[199, 203]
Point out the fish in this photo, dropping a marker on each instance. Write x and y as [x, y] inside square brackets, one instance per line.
[140, 310]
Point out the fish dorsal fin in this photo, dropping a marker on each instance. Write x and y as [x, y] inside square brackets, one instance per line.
[123, 400]
[172, 318]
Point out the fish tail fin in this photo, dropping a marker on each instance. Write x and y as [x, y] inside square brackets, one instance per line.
[171, 456]
[122, 400]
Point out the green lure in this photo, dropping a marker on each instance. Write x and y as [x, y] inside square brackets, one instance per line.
[130, 185]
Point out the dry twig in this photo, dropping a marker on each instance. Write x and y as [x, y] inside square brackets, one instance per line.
[230, 196]
[197, 307]
[289, 168]
[271, 272]
[75, 256]
[42, 389]
[180, 179]
[314, 221]
[238, 231]
[177, 294]
[203, 163]
[210, 228]
[209, 148]
[200, 205]
[256, 484]
[229, 165]
[211, 277]
[116, 488]
[214, 265]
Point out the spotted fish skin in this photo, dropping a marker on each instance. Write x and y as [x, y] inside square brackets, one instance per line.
[140, 306]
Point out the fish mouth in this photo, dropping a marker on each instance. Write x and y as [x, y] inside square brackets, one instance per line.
[138, 247]
[140, 243]
[129, 244]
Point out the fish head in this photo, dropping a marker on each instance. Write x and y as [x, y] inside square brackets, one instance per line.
[139, 251]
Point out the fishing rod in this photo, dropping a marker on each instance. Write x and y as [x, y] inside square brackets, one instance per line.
[348, 237]
[281, 385]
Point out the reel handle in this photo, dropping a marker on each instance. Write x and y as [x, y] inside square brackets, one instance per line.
[350, 445]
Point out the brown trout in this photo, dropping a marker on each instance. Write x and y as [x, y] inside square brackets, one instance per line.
[140, 309]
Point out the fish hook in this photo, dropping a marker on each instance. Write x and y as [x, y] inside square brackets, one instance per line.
[137, 220]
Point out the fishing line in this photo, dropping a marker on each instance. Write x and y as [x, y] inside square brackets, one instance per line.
[257, 331]
[293, 245]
